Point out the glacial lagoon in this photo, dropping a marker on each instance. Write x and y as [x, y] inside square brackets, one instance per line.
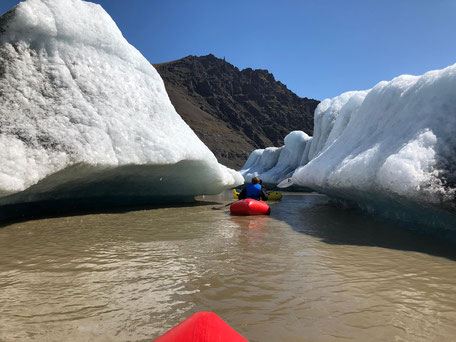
[309, 272]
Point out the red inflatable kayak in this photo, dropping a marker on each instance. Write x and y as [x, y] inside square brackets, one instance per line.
[250, 207]
[202, 327]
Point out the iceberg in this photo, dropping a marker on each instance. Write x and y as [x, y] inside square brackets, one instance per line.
[83, 115]
[390, 150]
[274, 164]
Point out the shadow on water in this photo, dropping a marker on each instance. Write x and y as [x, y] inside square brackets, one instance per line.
[314, 215]
[16, 213]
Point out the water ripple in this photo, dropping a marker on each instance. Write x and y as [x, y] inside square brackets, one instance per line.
[132, 276]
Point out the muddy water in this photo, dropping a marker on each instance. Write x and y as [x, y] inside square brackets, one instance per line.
[309, 272]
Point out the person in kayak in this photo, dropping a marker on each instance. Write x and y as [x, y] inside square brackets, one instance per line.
[254, 190]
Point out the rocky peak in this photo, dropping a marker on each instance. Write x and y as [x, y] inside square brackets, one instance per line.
[233, 111]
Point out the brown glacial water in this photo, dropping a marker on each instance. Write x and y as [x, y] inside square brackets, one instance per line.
[309, 272]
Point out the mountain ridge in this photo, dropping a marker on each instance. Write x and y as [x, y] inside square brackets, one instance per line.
[234, 111]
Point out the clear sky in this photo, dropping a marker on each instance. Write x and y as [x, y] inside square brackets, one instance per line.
[317, 48]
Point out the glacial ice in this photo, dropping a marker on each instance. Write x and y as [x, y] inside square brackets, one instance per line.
[398, 141]
[274, 164]
[390, 149]
[84, 115]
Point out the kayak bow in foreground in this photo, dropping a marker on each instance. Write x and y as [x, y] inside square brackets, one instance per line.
[202, 327]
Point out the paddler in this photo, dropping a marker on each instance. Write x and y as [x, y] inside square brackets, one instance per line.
[254, 190]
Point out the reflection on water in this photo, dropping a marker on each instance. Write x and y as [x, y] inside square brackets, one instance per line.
[254, 226]
[308, 272]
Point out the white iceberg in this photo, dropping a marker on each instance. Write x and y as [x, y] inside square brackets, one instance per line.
[260, 160]
[274, 164]
[84, 115]
[330, 119]
[398, 142]
[390, 149]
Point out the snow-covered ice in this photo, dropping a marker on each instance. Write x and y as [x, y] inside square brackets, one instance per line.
[84, 114]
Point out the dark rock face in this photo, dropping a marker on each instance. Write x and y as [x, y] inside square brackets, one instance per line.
[234, 112]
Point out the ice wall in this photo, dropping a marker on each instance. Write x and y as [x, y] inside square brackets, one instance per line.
[260, 161]
[398, 143]
[84, 114]
[274, 164]
[391, 149]
[331, 118]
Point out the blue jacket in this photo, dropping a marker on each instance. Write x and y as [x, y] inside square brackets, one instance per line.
[255, 191]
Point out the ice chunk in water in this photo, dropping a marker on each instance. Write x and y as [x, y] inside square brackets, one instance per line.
[84, 114]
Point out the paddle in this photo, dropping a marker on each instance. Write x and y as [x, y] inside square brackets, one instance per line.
[223, 206]
[285, 183]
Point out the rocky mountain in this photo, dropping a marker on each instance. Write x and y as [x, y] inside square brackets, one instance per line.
[234, 111]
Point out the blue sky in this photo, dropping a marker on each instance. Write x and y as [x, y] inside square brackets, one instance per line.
[319, 49]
